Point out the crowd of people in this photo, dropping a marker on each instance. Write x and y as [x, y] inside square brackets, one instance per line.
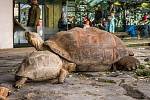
[107, 24]
[142, 29]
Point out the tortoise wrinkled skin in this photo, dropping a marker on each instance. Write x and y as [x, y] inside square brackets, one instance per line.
[90, 49]
[42, 65]
[126, 63]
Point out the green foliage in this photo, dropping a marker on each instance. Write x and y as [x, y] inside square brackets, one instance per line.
[143, 72]
[141, 67]
[77, 1]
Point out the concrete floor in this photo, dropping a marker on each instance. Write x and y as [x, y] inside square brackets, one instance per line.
[85, 86]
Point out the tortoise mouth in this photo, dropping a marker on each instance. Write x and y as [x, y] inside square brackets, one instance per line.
[27, 35]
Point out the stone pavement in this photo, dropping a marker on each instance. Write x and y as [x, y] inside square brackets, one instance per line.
[78, 86]
[137, 42]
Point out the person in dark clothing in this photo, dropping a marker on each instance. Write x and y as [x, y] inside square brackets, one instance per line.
[144, 28]
[144, 31]
[34, 15]
[98, 14]
[62, 26]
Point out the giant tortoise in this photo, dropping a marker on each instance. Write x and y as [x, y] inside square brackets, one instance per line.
[90, 49]
[43, 65]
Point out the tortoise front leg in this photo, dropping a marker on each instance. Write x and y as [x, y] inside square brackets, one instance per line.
[62, 76]
[20, 82]
[114, 67]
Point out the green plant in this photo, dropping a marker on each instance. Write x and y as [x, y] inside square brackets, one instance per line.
[141, 67]
[143, 72]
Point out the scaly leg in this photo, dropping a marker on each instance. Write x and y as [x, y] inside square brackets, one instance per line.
[63, 74]
[20, 82]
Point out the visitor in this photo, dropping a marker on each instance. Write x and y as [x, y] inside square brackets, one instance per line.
[61, 24]
[99, 14]
[145, 27]
[105, 24]
[111, 23]
[87, 23]
[34, 15]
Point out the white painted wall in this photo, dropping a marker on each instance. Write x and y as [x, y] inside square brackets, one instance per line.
[6, 24]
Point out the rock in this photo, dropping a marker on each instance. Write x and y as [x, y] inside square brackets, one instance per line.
[139, 89]
[146, 59]
[3, 93]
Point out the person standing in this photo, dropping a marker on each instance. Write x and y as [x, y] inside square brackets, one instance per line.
[111, 25]
[34, 15]
[62, 24]
[87, 23]
[99, 14]
[145, 27]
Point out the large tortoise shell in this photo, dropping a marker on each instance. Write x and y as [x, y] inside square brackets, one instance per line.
[89, 46]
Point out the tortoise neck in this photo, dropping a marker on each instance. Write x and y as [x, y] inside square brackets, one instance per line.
[37, 43]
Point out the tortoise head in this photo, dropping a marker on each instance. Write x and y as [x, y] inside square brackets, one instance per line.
[35, 40]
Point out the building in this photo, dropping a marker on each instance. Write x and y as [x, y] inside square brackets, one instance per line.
[6, 27]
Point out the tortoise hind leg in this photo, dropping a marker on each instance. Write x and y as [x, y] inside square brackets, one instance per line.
[62, 76]
[20, 82]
